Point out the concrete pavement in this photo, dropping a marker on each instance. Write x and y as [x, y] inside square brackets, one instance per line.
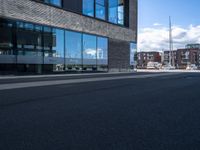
[84, 79]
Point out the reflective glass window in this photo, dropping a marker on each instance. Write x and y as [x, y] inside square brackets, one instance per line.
[113, 9]
[133, 50]
[26, 37]
[121, 12]
[54, 2]
[100, 9]
[73, 47]
[102, 51]
[88, 7]
[47, 40]
[58, 43]
[38, 32]
[6, 35]
[29, 39]
[116, 11]
[29, 43]
[89, 49]
[54, 48]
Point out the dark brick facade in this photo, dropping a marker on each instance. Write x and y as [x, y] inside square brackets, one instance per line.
[118, 55]
[31, 11]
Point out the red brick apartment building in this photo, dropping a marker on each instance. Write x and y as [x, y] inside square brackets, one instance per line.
[144, 57]
[189, 55]
[166, 57]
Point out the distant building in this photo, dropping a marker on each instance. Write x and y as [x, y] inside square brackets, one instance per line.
[192, 46]
[167, 57]
[143, 58]
[189, 55]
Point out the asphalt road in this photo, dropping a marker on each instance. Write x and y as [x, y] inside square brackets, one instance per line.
[158, 113]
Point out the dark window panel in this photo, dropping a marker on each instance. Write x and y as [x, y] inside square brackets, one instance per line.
[73, 5]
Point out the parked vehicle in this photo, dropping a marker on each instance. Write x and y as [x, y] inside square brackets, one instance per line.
[168, 67]
[191, 67]
[153, 65]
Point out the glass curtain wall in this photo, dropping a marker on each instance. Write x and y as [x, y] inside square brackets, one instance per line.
[6, 43]
[88, 7]
[6, 37]
[53, 2]
[120, 12]
[54, 48]
[102, 51]
[73, 50]
[116, 11]
[112, 13]
[35, 45]
[133, 53]
[100, 9]
[89, 50]
[29, 44]
[110, 10]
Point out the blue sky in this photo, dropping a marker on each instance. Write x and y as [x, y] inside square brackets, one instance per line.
[183, 12]
[154, 21]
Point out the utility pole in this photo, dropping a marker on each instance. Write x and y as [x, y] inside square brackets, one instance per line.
[171, 54]
[170, 42]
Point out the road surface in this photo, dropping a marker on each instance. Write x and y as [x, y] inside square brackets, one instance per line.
[146, 113]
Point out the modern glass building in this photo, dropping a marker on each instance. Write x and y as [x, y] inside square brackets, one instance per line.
[58, 35]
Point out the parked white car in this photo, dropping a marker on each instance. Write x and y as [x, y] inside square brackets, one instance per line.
[191, 67]
[168, 67]
[153, 65]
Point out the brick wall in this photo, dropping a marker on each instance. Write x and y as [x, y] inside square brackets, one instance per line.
[133, 16]
[119, 55]
[35, 12]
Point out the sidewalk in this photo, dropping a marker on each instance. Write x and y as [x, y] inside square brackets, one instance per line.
[60, 75]
[38, 83]
[176, 71]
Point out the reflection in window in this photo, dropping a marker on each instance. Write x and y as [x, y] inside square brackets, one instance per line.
[88, 7]
[73, 47]
[110, 10]
[54, 2]
[38, 31]
[100, 9]
[25, 36]
[113, 11]
[29, 39]
[102, 51]
[89, 49]
[54, 48]
[133, 50]
[36, 44]
[5, 37]
[121, 12]
[58, 43]
[48, 41]
[116, 11]
[53, 42]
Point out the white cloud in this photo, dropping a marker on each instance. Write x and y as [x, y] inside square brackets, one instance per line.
[90, 51]
[156, 38]
[157, 24]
